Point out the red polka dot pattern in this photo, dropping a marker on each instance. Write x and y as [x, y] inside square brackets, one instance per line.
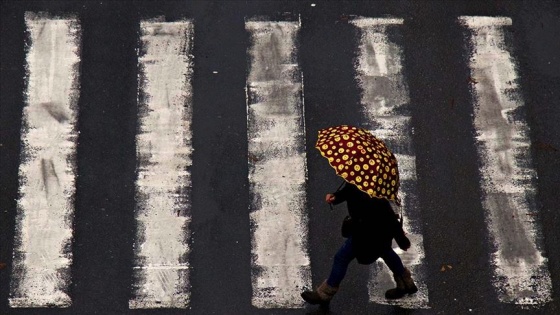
[361, 159]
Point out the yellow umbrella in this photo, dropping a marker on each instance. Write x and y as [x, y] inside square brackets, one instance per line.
[362, 160]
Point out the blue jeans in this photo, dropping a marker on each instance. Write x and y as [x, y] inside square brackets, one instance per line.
[345, 255]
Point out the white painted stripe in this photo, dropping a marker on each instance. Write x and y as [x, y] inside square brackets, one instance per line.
[522, 275]
[43, 256]
[386, 105]
[277, 166]
[164, 148]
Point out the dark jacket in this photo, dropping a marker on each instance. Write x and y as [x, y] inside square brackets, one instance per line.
[374, 223]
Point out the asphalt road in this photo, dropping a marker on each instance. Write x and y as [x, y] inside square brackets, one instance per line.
[447, 164]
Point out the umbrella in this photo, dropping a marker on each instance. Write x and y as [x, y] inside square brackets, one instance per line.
[361, 159]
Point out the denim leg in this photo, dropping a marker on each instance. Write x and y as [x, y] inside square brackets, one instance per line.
[340, 264]
[393, 261]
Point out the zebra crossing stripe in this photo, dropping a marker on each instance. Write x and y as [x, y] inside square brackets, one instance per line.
[45, 209]
[385, 102]
[277, 166]
[164, 148]
[521, 270]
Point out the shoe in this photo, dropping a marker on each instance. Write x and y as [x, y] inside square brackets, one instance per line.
[405, 285]
[322, 295]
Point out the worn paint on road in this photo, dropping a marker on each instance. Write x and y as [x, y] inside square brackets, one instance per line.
[386, 107]
[508, 177]
[164, 149]
[277, 166]
[47, 173]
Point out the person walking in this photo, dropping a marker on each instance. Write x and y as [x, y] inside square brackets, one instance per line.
[374, 224]
[371, 176]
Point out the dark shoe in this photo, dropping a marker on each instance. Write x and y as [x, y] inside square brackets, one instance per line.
[397, 292]
[405, 285]
[322, 295]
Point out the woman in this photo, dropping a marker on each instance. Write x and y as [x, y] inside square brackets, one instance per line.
[374, 225]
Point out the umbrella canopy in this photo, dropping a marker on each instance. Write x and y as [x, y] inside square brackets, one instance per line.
[361, 159]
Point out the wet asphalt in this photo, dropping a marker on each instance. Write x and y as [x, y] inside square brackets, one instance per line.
[436, 69]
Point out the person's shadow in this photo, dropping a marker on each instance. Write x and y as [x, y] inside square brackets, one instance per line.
[321, 310]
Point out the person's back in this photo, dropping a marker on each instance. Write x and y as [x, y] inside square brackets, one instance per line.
[373, 216]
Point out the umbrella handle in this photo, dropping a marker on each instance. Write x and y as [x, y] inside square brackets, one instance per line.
[343, 182]
[330, 204]
[399, 215]
[401, 219]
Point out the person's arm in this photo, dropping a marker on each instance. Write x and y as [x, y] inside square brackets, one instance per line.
[339, 196]
[398, 232]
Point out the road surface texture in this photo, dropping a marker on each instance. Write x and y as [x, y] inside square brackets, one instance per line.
[157, 157]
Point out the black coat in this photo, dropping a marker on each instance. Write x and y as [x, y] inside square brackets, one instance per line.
[374, 223]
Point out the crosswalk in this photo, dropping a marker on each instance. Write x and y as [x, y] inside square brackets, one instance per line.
[276, 158]
[164, 148]
[276, 135]
[507, 173]
[48, 173]
[386, 109]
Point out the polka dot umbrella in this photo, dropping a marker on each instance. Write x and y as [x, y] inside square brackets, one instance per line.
[361, 159]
